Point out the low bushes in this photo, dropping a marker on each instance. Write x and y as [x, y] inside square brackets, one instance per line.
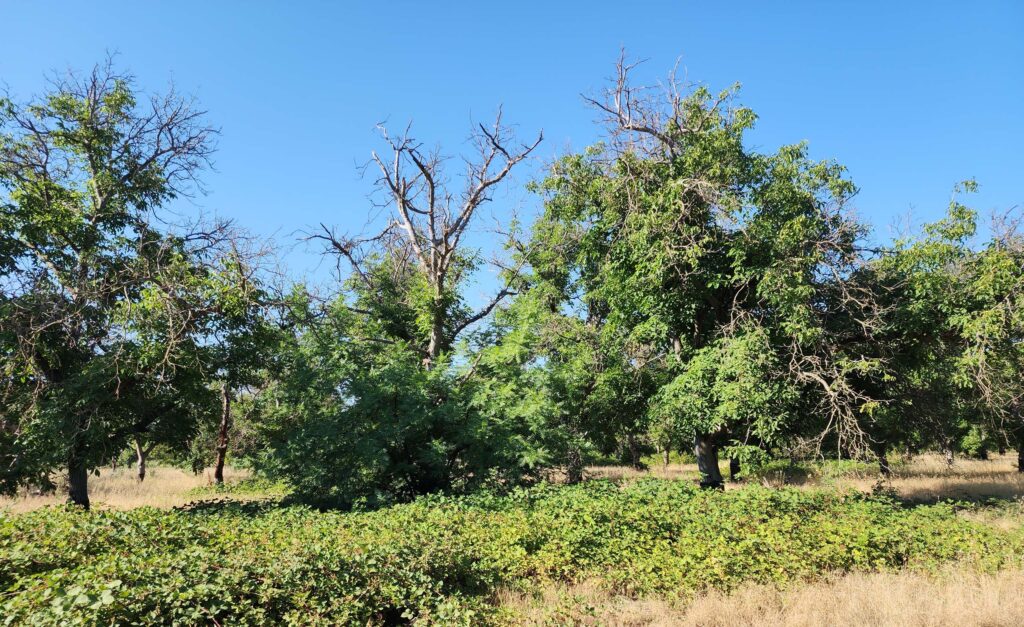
[440, 559]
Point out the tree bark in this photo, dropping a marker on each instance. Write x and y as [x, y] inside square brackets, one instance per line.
[881, 450]
[707, 462]
[947, 453]
[1020, 449]
[734, 468]
[883, 464]
[141, 455]
[573, 466]
[222, 436]
[78, 479]
[634, 452]
[666, 454]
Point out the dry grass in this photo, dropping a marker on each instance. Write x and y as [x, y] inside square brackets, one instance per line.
[905, 598]
[925, 478]
[164, 487]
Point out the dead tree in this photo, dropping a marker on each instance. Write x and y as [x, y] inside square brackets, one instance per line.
[428, 219]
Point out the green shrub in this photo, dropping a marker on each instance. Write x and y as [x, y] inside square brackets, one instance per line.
[439, 559]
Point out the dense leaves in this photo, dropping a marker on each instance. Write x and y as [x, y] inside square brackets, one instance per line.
[439, 560]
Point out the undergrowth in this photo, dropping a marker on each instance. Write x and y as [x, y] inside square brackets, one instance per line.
[441, 560]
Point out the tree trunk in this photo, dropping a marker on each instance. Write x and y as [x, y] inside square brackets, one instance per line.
[573, 466]
[947, 453]
[883, 464]
[222, 436]
[734, 468]
[634, 452]
[1020, 449]
[707, 462]
[436, 343]
[78, 479]
[140, 459]
[881, 450]
[666, 454]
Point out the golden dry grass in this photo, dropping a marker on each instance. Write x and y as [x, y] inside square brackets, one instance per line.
[877, 599]
[925, 478]
[164, 487]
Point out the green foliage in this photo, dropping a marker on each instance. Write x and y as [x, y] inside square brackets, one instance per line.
[352, 422]
[97, 335]
[438, 560]
[257, 487]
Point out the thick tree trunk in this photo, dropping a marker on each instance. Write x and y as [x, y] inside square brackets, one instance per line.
[734, 468]
[707, 462]
[222, 436]
[573, 466]
[78, 480]
[634, 452]
[947, 454]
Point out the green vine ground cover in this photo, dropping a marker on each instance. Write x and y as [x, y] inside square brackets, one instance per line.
[441, 560]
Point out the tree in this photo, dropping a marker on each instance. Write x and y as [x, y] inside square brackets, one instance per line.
[423, 244]
[372, 404]
[84, 170]
[695, 253]
[953, 330]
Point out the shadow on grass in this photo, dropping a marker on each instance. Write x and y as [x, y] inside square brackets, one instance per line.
[227, 505]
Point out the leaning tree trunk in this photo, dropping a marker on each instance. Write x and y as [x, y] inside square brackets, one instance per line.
[222, 436]
[707, 462]
[78, 477]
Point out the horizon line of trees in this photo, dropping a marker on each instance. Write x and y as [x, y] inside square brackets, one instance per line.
[678, 291]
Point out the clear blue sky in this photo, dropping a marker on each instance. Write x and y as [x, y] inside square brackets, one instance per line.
[911, 96]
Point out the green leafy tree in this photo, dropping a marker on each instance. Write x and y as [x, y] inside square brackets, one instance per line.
[687, 254]
[953, 330]
[84, 267]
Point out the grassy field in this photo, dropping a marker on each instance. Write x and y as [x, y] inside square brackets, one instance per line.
[632, 549]
[164, 487]
[922, 479]
[950, 598]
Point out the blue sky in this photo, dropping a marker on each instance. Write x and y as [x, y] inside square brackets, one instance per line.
[912, 98]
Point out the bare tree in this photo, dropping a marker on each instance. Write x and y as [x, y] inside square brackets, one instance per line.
[429, 220]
